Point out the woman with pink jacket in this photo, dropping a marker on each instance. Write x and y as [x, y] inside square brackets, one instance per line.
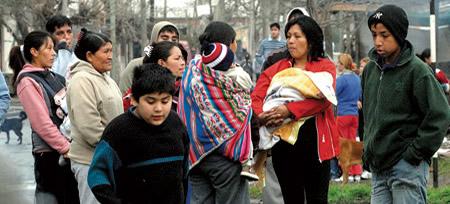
[40, 91]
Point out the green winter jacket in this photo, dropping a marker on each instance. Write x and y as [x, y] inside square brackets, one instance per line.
[406, 114]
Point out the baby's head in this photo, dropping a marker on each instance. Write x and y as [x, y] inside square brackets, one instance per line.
[151, 92]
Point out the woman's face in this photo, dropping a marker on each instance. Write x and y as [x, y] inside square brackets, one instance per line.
[45, 55]
[297, 43]
[175, 62]
[102, 59]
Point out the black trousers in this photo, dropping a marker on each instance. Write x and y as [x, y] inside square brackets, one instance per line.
[55, 179]
[298, 169]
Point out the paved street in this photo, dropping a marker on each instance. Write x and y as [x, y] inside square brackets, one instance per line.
[16, 167]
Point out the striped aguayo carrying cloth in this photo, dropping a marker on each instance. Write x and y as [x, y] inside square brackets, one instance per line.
[217, 112]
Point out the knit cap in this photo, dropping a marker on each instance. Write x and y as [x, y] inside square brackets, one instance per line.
[394, 19]
[218, 56]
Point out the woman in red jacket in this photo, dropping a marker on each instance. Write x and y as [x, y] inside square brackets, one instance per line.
[303, 169]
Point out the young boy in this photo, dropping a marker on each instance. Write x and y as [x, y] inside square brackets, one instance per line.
[404, 122]
[142, 156]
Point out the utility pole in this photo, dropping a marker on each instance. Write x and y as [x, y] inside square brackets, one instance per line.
[434, 28]
[115, 72]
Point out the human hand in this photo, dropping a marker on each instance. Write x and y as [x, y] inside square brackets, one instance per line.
[359, 104]
[275, 116]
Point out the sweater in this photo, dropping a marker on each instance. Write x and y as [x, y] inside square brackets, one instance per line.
[406, 114]
[32, 98]
[327, 135]
[136, 162]
[93, 100]
[348, 92]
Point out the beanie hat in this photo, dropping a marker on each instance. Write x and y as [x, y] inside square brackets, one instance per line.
[395, 20]
[218, 56]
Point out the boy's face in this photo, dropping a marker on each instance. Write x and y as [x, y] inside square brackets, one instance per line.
[167, 36]
[64, 33]
[275, 32]
[383, 41]
[153, 108]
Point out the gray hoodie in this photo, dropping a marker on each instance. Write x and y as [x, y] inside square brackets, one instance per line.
[126, 77]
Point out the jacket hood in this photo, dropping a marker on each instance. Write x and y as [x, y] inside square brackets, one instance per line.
[84, 66]
[157, 28]
[302, 9]
[406, 55]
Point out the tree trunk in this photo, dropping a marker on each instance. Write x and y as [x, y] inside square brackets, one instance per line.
[115, 72]
[143, 30]
[219, 11]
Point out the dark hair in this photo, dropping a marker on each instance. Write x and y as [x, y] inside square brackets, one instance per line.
[425, 54]
[57, 21]
[89, 42]
[17, 59]
[160, 50]
[183, 52]
[219, 32]
[275, 25]
[170, 29]
[313, 33]
[152, 78]
[295, 14]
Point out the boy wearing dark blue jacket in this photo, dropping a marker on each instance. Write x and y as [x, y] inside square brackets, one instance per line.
[142, 156]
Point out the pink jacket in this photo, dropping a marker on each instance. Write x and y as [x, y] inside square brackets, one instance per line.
[32, 99]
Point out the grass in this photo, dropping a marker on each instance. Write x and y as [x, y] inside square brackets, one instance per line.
[360, 193]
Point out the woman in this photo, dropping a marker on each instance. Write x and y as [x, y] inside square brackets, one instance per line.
[348, 92]
[303, 169]
[36, 87]
[216, 110]
[169, 55]
[94, 99]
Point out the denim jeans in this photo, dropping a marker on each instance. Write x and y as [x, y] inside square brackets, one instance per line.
[335, 170]
[217, 180]
[404, 183]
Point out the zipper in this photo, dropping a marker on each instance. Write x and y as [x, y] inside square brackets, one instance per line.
[379, 93]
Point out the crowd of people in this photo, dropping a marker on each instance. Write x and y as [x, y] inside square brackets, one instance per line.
[179, 131]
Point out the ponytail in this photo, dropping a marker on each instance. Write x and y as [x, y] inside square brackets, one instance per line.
[16, 62]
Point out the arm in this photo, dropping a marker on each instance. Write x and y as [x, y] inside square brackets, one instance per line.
[4, 97]
[101, 178]
[432, 103]
[32, 99]
[259, 92]
[83, 111]
[309, 107]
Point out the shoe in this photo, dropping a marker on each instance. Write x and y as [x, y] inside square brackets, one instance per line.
[357, 178]
[366, 175]
[338, 179]
[351, 179]
[249, 173]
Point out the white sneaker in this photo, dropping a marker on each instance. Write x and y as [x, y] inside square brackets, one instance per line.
[351, 179]
[338, 179]
[366, 175]
[357, 178]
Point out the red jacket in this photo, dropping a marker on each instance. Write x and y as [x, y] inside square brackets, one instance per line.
[328, 139]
